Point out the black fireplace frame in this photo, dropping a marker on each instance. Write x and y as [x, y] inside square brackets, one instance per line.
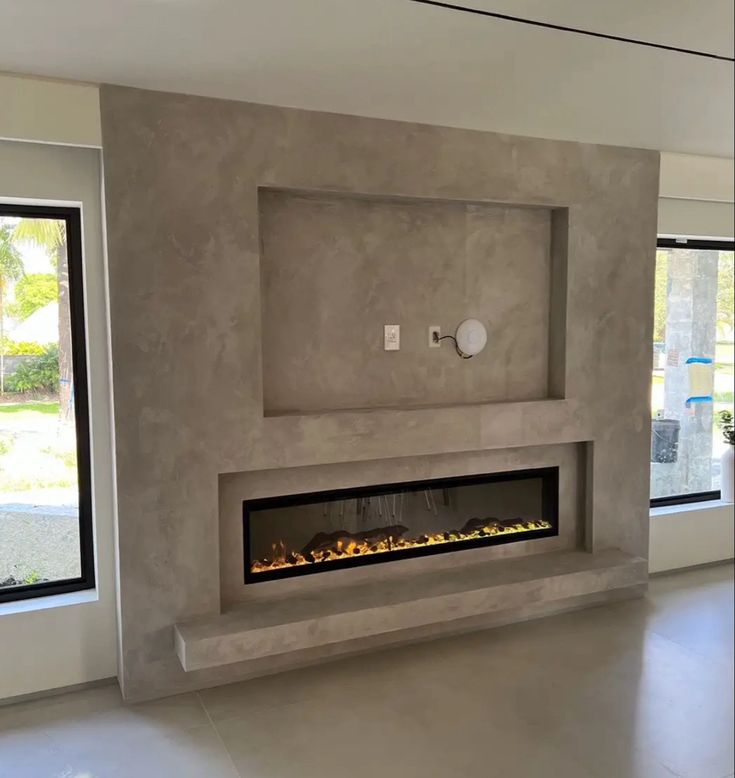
[549, 502]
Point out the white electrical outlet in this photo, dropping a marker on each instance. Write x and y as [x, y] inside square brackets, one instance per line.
[392, 337]
[435, 332]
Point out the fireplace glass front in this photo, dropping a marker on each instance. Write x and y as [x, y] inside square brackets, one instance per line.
[319, 531]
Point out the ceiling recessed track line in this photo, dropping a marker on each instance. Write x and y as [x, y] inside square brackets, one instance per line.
[575, 30]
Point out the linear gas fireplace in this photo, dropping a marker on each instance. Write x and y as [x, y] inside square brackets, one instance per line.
[299, 534]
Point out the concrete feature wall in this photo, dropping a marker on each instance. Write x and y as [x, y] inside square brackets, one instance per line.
[182, 179]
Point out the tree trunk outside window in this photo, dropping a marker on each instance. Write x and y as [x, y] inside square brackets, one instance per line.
[66, 387]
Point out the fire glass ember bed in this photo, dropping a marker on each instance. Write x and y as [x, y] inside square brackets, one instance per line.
[299, 534]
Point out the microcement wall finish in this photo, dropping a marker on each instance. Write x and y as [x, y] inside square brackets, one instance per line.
[182, 179]
[335, 269]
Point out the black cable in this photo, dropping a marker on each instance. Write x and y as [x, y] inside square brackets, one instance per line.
[456, 347]
[575, 30]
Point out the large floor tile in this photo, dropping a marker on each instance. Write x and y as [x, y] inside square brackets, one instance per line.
[111, 753]
[639, 689]
[64, 706]
[406, 736]
[94, 735]
[696, 610]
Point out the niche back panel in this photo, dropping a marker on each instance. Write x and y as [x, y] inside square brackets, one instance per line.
[335, 268]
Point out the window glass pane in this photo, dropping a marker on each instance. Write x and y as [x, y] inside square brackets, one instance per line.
[692, 368]
[39, 493]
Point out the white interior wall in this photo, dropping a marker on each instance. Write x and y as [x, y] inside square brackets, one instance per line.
[695, 218]
[688, 535]
[688, 177]
[45, 647]
[696, 201]
[49, 111]
[53, 642]
[696, 196]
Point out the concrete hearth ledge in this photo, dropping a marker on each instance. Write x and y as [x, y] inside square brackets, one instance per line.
[271, 627]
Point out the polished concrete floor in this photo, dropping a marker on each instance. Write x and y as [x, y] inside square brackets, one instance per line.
[641, 688]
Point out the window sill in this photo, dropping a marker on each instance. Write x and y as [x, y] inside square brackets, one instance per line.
[665, 510]
[52, 601]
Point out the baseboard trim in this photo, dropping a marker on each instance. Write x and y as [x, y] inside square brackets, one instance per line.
[45, 693]
[701, 566]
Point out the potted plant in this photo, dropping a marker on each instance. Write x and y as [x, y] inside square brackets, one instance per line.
[727, 463]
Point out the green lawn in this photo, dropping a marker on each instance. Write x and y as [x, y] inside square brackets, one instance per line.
[37, 450]
[31, 407]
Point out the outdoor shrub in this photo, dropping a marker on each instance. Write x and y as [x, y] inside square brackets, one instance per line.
[32, 292]
[725, 423]
[37, 375]
[12, 349]
[5, 445]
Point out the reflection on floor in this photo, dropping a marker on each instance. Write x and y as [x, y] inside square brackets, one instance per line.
[638, 689]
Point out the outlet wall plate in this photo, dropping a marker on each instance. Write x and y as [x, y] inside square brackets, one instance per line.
[434, 342]
[392, 337]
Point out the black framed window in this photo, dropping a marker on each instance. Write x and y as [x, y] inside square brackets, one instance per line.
[693, 360]
[46, 531]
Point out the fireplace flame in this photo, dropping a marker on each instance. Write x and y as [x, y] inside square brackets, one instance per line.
[283, 558]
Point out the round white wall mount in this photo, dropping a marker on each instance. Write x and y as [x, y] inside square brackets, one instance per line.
[471, 337]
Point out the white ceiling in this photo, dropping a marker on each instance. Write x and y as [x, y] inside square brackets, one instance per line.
[401, 60]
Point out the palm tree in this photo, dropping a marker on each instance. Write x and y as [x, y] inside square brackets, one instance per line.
[11, 269]
[50, 234]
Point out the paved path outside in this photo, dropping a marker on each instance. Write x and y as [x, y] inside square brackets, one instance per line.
[39, 535]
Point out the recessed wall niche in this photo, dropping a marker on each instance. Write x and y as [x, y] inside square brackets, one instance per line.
[336, 267]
